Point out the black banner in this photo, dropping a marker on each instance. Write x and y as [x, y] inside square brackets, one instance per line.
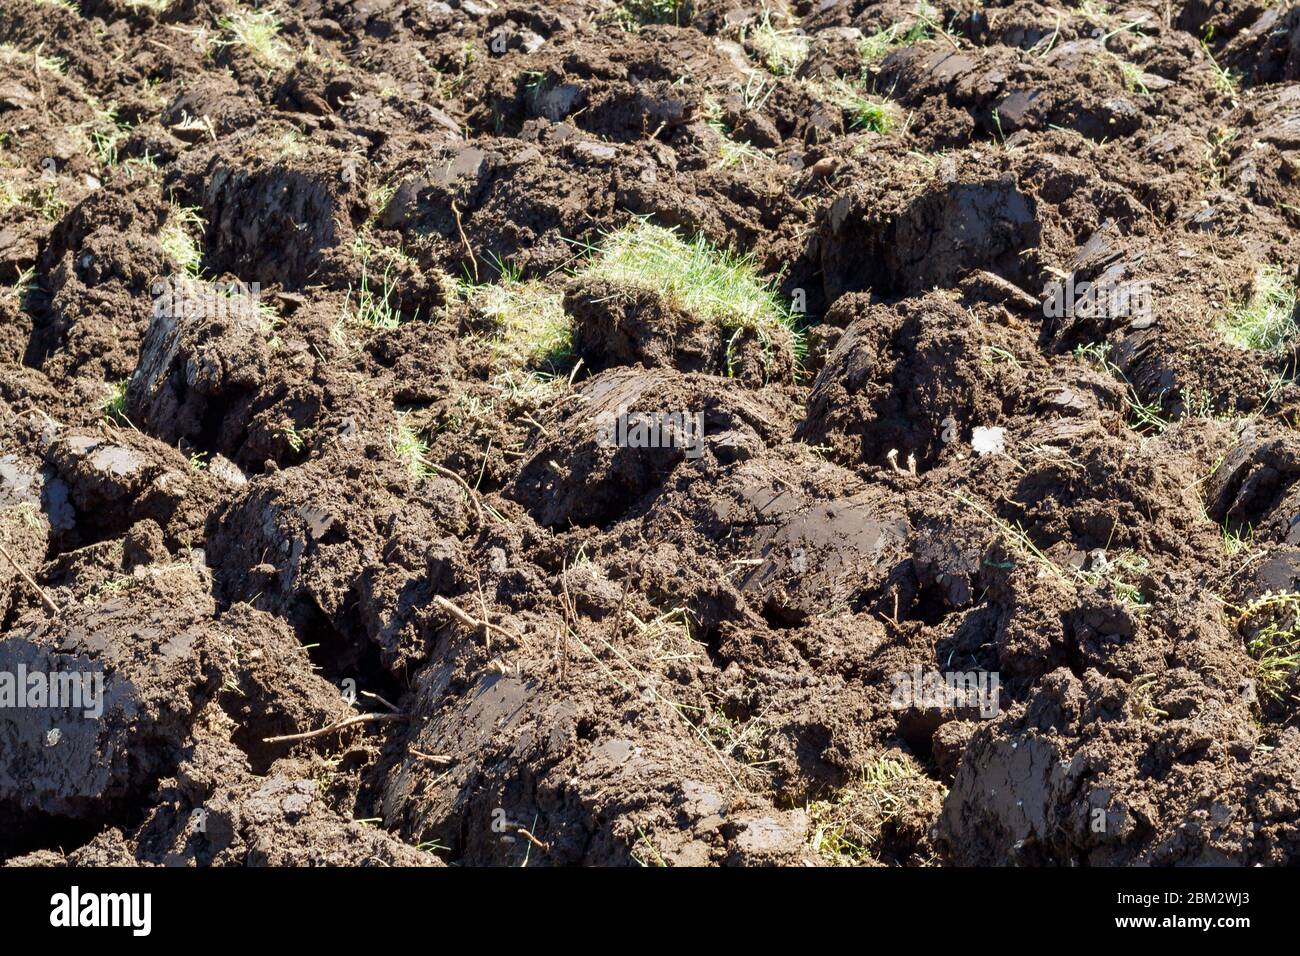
[340, 907]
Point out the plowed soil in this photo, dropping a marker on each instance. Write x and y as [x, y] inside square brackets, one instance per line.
[520, 644]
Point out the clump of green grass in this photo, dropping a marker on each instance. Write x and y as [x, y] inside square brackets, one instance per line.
[115, 586]
[735, 152]
[21, 287]
[782, 52]
[156, 6]
[1238, 542]
[378, 198]
[1200, 403]
[145, 162]
[296, 438]
[114, 406]
[9, 194]
[1266, 321]
[257, 31]
[411, 450]
[12, 55]
[1122, 571]
[848, 829]
[529, 324]
[372, 309]
[714, 284]
[1143, 416]
[1272, 622]
[44, 200]
[656, 11]
[105, 134]
[879, 44]
[1225, 81]
[743, 741]
[996, 354]
[1131, 75]
[177, 242]
[48, 203]
[732, 151]
[514, 392]
[1141, 699]
[865, 113]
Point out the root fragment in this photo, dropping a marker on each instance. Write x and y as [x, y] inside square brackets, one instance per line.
[473, 259]
[892, 458]
[470, 492]
[30, 581]
[338, 725]
[469, 620]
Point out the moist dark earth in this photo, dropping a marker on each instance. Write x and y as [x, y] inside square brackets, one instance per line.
[570, 653]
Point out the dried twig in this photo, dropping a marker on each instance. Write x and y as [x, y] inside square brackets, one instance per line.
[440, 760]
[544, 847]
[942, 31]
[570, 623]
[487, 620]
[892, 458]
[338, 725]
[473, 259]
[468, 619]
[574, 374]
[372, 696]
[31, 581]
[448, 473]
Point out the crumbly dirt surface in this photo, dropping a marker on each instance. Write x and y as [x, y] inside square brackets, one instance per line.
[262, 521]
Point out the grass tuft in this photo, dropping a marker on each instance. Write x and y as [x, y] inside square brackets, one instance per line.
[847, 830]
[177, 242]
[865, 113]
[656, 11]
[732, 151]
[257, 31]
[782, 52]
[714, 284]
[114, 406]
[530, 326]
[44, 200]
[411, 450]
[1141, 699]
[1131, 75]
[1266, 321]
[741, 740]
[9, 195]
[372, 309]
[1272, 623]
[1144, 416]
[13, 56]
[879, 44]
[106, 131]
[1224, 80]
[1238, 542]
